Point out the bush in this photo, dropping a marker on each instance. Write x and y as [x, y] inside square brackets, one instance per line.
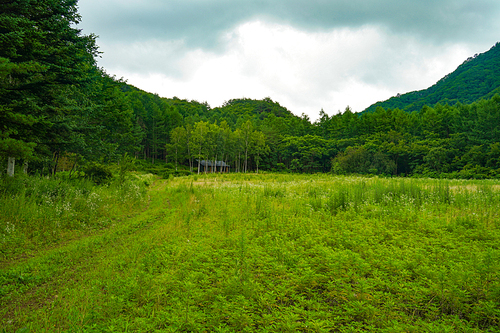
[98, 173]
[476, 172]
[176, 173]
[12, 185]
[156, 169]
[281, 167]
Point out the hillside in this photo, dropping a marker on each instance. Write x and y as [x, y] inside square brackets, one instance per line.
[254, 108]
[59, 106]
[477, 78]
[233, 111]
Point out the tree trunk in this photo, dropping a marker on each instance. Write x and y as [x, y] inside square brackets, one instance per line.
[56, 160]
[199, 160]
[246, 160]
[239, 162]
[10, 166]
[73, 167]
[175, 158]
[190, 159]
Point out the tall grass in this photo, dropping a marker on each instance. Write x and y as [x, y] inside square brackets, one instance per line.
[38, 211]
[276, 253]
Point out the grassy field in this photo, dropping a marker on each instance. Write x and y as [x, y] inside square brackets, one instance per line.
[252, 253]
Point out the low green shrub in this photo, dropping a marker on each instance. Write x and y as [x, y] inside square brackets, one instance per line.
[12, 185]
[98, 173]
[176, 173]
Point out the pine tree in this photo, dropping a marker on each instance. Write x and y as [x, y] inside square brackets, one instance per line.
[43, 60]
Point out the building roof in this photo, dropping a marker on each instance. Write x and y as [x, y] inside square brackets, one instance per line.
[209, 163]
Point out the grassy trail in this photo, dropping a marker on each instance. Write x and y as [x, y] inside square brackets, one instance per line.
[273, 253]
[41, 288]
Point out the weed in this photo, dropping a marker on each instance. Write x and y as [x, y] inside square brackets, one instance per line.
[258, 253]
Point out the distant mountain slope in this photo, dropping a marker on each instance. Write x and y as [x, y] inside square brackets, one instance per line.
[231, 111]
[478, 77]
[255, 108]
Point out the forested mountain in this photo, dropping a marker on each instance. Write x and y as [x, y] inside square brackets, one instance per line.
[446, 141]
[158, 117]
[478, 77]
[56, 104]
[460, 140]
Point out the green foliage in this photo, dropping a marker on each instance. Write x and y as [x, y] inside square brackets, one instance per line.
[55, 102]
[12, 185]
[98, 173]
[477, 78]
[176, 173]
[126, 164]
[434, 142]
[43, 58]
[248, 252]
[36, 212]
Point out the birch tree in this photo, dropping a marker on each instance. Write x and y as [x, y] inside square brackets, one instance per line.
[200, 132]
[246, 139]
[178, 138]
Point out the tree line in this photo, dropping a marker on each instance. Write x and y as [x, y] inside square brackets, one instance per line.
[57, 105]
[459, 141]
[440, 141]
[212, 142]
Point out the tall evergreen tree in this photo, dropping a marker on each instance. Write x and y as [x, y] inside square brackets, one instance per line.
[43, 59]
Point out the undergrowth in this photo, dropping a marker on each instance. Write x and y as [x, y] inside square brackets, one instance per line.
[273, 253]
[37, 211]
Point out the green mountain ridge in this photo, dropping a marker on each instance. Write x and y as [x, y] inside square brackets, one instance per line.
[476, 78]
[59, 111]
[231, 110]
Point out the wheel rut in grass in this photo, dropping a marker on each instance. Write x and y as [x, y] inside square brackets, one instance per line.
[36, 281]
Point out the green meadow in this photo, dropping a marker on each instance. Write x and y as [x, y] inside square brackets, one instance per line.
[250, 253]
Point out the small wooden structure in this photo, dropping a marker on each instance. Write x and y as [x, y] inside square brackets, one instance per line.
[214, 166]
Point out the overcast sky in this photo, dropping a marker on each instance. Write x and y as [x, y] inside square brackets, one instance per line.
[306, 55]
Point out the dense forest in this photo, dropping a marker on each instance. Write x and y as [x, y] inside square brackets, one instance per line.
[60, 111]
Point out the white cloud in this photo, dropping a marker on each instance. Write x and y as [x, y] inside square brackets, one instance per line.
[306, 55]
[303, 71]
[144, 57]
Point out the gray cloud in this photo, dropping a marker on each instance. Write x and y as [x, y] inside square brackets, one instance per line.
[200, 22]
[306, 54]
